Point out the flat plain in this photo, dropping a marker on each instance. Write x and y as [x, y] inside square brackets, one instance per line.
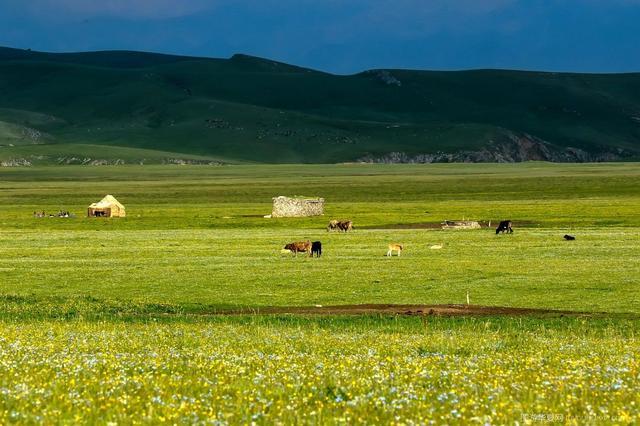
[119, 319]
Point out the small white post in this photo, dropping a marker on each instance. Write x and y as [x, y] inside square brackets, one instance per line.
[467, 298]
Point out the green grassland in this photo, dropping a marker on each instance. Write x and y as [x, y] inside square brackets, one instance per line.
[251, 109]
[112, 320]
[195, 236]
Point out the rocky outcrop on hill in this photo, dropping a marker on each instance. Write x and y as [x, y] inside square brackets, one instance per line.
[182, 162]
[88, 161]
[512, 149]
[386, 77]
[15, 162]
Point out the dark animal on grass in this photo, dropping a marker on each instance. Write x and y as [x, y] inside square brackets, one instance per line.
[299, 246]
[505, 226]
[569, 237]
[316, 249]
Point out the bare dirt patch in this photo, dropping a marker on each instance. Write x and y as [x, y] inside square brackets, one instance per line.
[409, 310]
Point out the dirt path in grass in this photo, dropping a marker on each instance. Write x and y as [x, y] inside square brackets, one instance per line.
[383, 309]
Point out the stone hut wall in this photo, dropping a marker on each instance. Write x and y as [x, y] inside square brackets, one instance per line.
[297, 207]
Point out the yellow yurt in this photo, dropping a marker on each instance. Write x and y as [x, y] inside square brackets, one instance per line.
[107, 207]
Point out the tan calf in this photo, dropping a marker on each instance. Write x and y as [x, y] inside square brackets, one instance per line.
[395, 247]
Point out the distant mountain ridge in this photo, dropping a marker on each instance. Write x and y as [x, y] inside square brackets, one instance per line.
[114, 107]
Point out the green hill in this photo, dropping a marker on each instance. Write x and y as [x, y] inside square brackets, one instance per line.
[146, 107]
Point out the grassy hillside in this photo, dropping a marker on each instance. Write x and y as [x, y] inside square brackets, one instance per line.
[246, 108]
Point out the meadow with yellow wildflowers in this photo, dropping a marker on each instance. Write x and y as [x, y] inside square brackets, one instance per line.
[266, 371]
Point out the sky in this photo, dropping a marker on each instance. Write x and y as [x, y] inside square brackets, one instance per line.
[344, 36]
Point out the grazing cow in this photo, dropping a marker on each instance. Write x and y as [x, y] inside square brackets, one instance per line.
[340, 225]
[395, 247]
[569, 237]
[299, 246]
[316, 248]
[345, 226]
[505, 226]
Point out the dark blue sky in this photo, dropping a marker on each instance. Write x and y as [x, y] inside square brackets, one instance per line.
[344, 36]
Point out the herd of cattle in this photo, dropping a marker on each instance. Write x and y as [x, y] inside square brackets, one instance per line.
[340, 225]
[315, 248]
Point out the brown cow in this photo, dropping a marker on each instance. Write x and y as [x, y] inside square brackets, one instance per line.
[333, 224]
[345, 226]
[340, 225]
[299, 246]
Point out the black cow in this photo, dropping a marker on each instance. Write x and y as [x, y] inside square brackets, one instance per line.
[316, 248]
[505, 226]
[569, 237]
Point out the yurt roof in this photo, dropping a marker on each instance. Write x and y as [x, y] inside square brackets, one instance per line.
[107, 201]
